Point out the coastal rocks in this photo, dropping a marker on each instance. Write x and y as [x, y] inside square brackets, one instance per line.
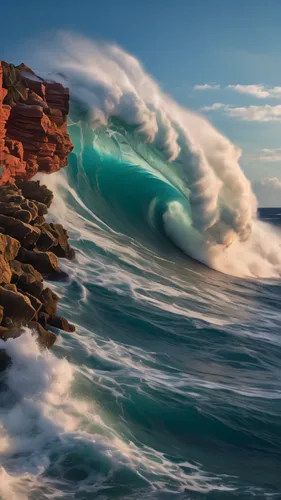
[33, 138]
[33, 190]
[29, 252]
[33, 128]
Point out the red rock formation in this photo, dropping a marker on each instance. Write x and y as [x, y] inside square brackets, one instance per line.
[33, 128]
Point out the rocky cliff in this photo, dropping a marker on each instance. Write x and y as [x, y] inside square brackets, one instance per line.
[33, 138]
[33, 127]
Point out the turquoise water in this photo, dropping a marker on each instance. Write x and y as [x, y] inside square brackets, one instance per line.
[170, 387]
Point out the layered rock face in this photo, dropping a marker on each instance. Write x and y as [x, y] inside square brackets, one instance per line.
[33, 126]
[33, 138]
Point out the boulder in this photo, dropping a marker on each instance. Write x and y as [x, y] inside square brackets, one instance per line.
[26, 234]
[62, 248]
[60, 323]
[49, 300]
[32, 190]
[43, 319]
[26, 278]
[5, 271]
[45, 338]
[44, 262]
[9, 247]
[46, 239]
[16, 305]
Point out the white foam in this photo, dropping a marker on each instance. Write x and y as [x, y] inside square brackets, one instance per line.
[38, 414]
[223, 208]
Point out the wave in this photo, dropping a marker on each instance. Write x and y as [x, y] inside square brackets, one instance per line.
[162, 159]
[51, 438]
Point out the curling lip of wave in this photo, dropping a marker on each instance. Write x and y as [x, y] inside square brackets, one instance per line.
[108, 82]
[113, 83]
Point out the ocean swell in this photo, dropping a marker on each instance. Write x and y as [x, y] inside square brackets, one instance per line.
[171, 162]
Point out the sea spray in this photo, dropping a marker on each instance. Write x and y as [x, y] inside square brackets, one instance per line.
[125, 119]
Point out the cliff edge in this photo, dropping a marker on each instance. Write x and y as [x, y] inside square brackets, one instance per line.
[33, 124]
[33, 138]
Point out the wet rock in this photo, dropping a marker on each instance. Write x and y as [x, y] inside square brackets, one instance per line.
[62, 248]
[60, 323]
[45, 337]
[49, 300]
[43, 319]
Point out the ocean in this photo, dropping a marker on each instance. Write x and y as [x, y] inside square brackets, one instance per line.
[170, 386]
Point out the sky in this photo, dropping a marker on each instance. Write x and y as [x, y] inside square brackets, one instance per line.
[219, 57]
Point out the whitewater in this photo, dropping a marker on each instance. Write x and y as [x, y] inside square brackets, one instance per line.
[170, 386]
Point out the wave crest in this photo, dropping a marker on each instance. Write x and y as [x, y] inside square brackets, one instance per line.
[109, 83]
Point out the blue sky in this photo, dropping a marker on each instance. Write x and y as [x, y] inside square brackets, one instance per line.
[182, 44]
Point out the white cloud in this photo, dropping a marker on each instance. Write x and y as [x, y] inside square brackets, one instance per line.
[267, 155]
[268, 192]
[207, 86]
[214, 107]
[258, 91]
[265, 113]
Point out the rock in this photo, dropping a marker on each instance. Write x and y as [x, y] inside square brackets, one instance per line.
[44, 262]
[32, 190]
[16, 305]
[62, 248]
[46, 239]
[26, 234]
[45, 338]
[9, 247]
[39, 221]
[26, 278]
[11, 287]
[60, 323]
[36, 303]
[42, 208]
[49, 300]
[43, 319]
[6, 275]
[1, 313]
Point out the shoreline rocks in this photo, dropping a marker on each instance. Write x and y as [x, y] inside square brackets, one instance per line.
[33, 138]
[23, 299]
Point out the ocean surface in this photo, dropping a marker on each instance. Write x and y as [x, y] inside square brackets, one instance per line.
[170, 388]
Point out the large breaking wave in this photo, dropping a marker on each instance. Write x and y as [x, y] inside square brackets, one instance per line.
[172, 163]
